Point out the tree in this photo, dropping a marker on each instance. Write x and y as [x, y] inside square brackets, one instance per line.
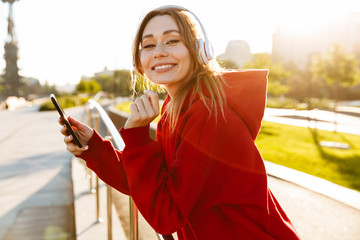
[337, 68]
[106, 82]
[81, 86]
[48, 89]
[2, 90]
[122, 82]
[88, 86]
[93, 86]
[278, 75]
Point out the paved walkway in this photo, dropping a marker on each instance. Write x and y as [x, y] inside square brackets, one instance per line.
[43, 192]
[35, 178]
[90, 224]
[347, 119]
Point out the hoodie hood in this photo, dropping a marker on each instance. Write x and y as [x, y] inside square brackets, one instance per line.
[245, 92]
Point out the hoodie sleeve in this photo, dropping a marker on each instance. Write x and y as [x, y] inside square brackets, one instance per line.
[106, 162]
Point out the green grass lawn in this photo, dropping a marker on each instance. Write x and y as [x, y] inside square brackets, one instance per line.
[298, 148]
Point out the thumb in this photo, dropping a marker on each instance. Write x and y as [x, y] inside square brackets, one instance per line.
[75, 123]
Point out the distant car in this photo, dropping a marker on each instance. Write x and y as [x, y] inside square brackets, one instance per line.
[12, 102]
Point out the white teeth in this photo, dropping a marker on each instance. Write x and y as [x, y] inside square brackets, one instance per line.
[162, 67]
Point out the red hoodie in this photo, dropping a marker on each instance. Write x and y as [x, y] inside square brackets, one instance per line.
[206, 179]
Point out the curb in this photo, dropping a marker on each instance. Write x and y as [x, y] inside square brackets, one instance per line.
[342, 194]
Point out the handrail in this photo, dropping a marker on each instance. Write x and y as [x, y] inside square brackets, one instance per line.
[119, 144]
[118, 141]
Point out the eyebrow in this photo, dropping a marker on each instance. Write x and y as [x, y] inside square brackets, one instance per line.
[164, 33]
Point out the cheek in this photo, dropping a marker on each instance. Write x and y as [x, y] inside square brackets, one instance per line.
[186, 61]
[145, 61]
[183, 55]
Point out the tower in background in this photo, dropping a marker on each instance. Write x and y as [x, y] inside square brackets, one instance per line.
[11, 78]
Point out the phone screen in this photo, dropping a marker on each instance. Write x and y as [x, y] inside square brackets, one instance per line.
[64, 120]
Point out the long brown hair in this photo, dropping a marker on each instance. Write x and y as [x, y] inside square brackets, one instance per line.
[200, 75]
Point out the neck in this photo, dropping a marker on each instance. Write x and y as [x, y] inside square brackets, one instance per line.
[171, 90]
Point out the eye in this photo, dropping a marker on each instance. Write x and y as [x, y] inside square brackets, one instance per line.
[172, 42]
[148, 46]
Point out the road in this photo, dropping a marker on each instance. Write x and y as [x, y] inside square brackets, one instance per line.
[33, 155]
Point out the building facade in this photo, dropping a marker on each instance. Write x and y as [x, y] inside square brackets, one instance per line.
[237, 51]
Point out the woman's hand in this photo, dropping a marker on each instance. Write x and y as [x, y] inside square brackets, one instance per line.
[144, 110]
[84, 133]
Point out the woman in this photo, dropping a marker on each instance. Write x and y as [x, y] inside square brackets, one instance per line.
[203, 177]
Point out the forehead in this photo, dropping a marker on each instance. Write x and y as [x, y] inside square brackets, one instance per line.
[160, 24]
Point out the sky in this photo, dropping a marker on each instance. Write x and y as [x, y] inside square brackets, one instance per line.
[62, 40]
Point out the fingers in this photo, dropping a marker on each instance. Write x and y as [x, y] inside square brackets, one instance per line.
[154, 98]
[144, 110]
[140, 105]
[148, 107]
[68, 139]
[83, 132]
[64, 131]
[134, 109]
[71, 147]
[75, 149]
[60, 121]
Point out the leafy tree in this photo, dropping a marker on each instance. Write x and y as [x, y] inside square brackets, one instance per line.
[81, 86]
[122, 82]
[88, 86]
[278, 75]
[93, 86]
[106, 82]
[2, 89]
[302, 88]
[337, 68]
[48, 89]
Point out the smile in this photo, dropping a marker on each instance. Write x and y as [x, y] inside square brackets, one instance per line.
[163, 67]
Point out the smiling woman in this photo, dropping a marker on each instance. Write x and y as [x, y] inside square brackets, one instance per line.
[203, 177]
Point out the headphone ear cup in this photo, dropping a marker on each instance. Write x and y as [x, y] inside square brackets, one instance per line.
[209, 51]
[201, 51]
[206, 52]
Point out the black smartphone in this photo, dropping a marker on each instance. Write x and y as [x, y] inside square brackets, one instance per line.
[64, 120]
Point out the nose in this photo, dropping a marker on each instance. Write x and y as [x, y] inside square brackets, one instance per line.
[160, 51]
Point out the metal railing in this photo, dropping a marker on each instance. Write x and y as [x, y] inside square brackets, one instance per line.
[113, 135]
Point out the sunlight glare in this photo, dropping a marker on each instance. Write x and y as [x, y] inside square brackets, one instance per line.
[307, 18]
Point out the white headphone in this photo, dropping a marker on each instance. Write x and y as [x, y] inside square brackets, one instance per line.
[206, 51]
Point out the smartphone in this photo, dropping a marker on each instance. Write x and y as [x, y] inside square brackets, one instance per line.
[64, 120]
